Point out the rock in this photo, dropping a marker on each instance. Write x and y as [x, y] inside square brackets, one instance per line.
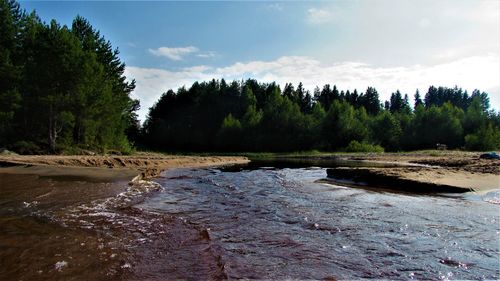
[489, 155]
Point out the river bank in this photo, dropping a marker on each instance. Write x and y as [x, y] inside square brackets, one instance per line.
[460, 169]
[145, 165]
[439, 171]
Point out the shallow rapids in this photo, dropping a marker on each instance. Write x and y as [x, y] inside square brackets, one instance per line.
[282, 224]
[250, 222]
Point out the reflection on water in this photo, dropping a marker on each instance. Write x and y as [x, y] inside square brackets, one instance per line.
[244, 222]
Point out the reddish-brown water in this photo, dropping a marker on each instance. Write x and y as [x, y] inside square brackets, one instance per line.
[261, 223]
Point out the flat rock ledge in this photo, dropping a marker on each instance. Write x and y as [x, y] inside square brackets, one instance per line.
[382, 179]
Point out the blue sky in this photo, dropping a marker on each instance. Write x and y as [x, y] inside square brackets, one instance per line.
[388, 44]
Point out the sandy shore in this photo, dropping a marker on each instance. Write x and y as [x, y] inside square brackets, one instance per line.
[451, 168]
[146, 165]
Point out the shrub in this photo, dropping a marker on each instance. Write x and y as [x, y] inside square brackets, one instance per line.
[355, 146]
[26, 147]
[486, 138]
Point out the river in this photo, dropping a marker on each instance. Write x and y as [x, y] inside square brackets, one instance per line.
[260, 221]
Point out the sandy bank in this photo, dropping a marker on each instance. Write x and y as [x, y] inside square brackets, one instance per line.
[446, 170]
[451, 160]
[146, 165]
[417, 179]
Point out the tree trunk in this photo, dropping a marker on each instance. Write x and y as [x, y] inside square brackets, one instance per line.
[52, 130]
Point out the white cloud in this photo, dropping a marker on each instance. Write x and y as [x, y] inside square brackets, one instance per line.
[318, 16]
[178, 53]
[173, 53]
[207, 55]
[481, 72]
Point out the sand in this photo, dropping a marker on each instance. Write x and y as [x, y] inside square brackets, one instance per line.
[143, 165]
[454, 168]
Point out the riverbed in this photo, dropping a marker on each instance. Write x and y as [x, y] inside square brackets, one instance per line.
[259, 221]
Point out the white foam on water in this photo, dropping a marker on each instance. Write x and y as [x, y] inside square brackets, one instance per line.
[492, 197]
[104, 213]
[30, 204]
[60, 265]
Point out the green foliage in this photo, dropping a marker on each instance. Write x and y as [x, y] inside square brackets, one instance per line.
[370, 101]
[343, 123]
[456, 96]
[398, 104]
[355, 146]
[475, 116]
[250, 116]
[486, 138]
[438, 125]
[386, 130]
[61, 87]
[230, 133]
[26, 147]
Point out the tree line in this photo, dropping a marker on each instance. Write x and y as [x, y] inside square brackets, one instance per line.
[252, 116]
[61, 87]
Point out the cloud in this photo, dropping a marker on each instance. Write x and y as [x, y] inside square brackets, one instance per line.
[318, 16]
[469, 73]
[173, 53]
[179, 53]
[207, 55]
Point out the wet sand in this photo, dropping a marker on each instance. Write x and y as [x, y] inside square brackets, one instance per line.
[146, 165]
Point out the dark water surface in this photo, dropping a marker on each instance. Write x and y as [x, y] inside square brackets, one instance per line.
[241, 222]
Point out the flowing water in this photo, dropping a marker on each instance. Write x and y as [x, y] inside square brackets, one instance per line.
[250, 222]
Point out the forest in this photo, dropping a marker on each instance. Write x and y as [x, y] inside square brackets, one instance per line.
[63, 90]
[253, 116]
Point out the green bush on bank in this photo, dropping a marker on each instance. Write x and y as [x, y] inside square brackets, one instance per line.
[486, 138]
[355, 146]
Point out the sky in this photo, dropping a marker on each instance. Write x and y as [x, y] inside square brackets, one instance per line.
[388, 44]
